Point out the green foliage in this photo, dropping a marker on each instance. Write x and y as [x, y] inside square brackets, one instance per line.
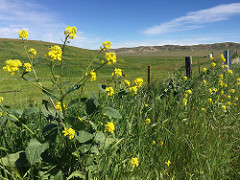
[98, 135]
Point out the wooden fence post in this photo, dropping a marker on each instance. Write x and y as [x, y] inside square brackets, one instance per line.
[148, 75]
[227, 56]
[188, 63]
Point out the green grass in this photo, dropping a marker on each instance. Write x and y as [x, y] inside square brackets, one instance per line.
[134, 66]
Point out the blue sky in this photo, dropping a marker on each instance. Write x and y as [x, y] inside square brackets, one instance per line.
[126, 23]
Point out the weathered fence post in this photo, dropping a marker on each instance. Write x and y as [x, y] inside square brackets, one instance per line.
[188, 63]
[227, 56]
[148, 75]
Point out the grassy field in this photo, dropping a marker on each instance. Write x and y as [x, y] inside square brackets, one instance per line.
[76, 59]
[175, 128]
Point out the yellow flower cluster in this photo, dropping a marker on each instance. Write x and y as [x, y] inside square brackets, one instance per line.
[213, 64]
[204, 70]
[133, 90]
[109, 91]
[111, 57]
[134, 162]
[71, 32]
[23, 34]
[117, 72]
[28, 67]
[138, 82]
[59, 106]
[55, 53]
[69, 132]
[106, 45]
[12, 65]
[93, 75]
[109, 127]
[32, 51]
[222, 58]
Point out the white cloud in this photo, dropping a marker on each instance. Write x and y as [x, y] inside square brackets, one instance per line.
[40, 22]
[197, 19]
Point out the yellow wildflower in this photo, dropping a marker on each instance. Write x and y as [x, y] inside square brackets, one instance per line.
[232, 90]
[111, 57]
[229, 97]
[210, 100]
[12, 65]
[71, 32]
[203, 109]
[225, 85]
[134, 162]
[146, 105]
[93, 75]
[1, 99]
[224, 107]
[148, 121]
[229, 103]
[221, 83]
[109, 127]
[138, 82]
[188, 91]
[109, 91]
[32, 51]
[117, 72]
[133, 90]
[211, 58]
[213, 64]
[168, 163]
[184, 101]
[55, 53]
[230, 71]
[106, 45]
[127, 82]
[222, 92]
[222, 58]
[59, 106]
[204, 70]
[23, 34]
[210, 91]
[236, 99]
[185, 78]
[161, 143]
[204, 81]
[28, 67]
[69, 132]
[154, 142]
[221, 76]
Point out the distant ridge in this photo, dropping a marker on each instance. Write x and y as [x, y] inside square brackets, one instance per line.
[169, 48]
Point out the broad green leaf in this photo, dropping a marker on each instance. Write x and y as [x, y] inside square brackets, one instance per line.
[108, 142]
[84, 136]
[100, 137]
[84, 148]
[17, 159]
[92, 103]
[111, 112]
[34, 150]
[76, 174]
[59, 176]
